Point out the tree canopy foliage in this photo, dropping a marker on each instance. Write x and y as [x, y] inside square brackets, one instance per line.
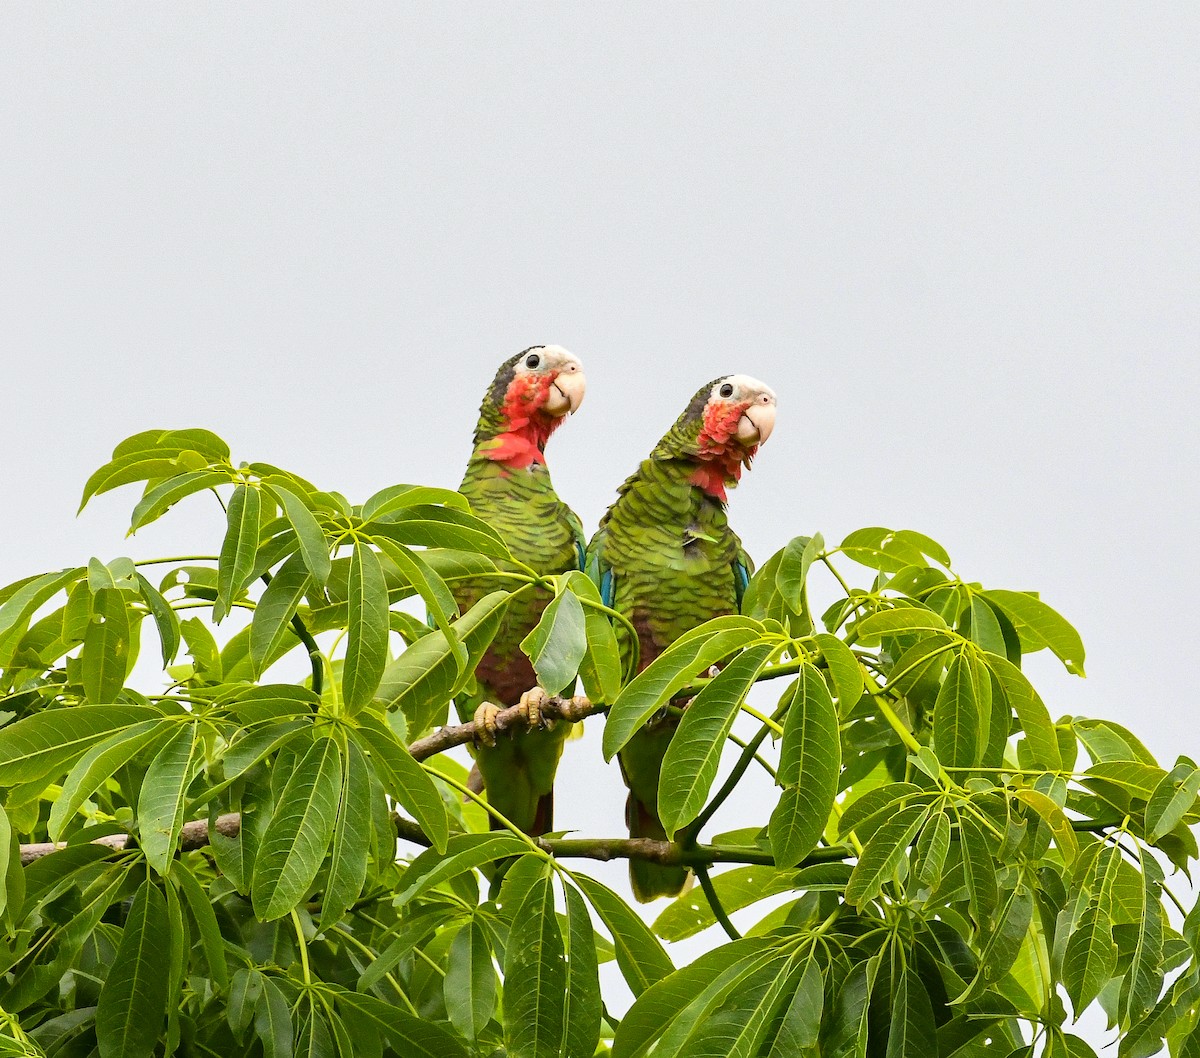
[210, 866]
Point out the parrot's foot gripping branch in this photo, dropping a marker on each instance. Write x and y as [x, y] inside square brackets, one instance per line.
[490, 720]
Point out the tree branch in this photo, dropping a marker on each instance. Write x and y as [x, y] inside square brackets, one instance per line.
[554, 708]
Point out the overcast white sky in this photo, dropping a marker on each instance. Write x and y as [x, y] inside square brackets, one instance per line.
[961, 242]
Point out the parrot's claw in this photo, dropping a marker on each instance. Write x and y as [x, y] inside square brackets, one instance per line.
[485, 723]
[531, 705]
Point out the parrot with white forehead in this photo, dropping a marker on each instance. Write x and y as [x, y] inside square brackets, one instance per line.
[665, 557]
[508, 485]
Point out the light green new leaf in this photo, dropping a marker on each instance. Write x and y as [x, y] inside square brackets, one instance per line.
[557, 644]
[158, 500]
[239, 547]
[690, 764]
[299, 832]
[274, 611]
[1172, 799]
[534, 961]
[366, 650]
[469, 987]
[844, 671]
[792, 575]
[1039, 625]
[896, 620]
[396, 497]
[351, 838]
[405, 779]
[1034, 718]
[882, 854]
[1055, 819]
[670, 672]
[36, 747]
[167, 462]
[600, 670]
[163, 796]
[105, 659]
[432, 589]
[957, 731]
[97, 766]
[133, 1000]
[1090, 959]
[584, 1006]
[640, 957]
[314, 547]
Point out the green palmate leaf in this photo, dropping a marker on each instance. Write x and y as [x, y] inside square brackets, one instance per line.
[896, 620]
[979, 870]
[19, 607]
[366, 651]
[691, 760]
[661, 1004]
[794, 565]
[38, 746]
[932, 849]
[427, 525]
[351, 838]
[236, 561]
[94, 768]
[984, 627]
[745, 1027]
[891, 551]
[801, 1022]
[431, 588]
[255, 746]
[314, 547]
[1040, 626]
[133, 1001]
[845, 673]
[206, 923]
[584, 1006]
[810, 761]
[871, 810]
[534, 960]
[640, 957]
[193, 439]
[1031, 712]
[106, 659]
[424, 678]
[558, 643]
[1055, 819]
[469, 987]
[739, 887]
[273, 1021]
[163, 795]
[882, 854]
[912, 1032]
[412, 1036]
[1090, 959]
[159, 499]
[299, 832]
[396, 497]
[462, 853]
[600, 669]
[165, 619]
[1172, 799]
[957, 730]
[670, 672]
[405, 779]
[142, 466]
[1144, 979]
[269, 629]
[848, 1024]
[1004, 941]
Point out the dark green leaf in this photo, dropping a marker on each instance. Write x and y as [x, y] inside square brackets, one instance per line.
[1031, 712]
[314, 547]
[432, 589]
[469, 986]
[844, 670]
[273, 1021]
[736, 888]
[405, 779]
[534, 961]
[690, 764]
[164, 790]
[1040, 625]
[366, 652]
[133, 1001]
[802, 1019]
[299, 832]
[1090, 959]
[584, 1006]
[414, 1037]
[557, 644]
[463, 852]
[105, 659]
[236, 562]
[1172, 799]
[792, 576]
[882, 854]
[600, 670]
[351, 838]
[165, 619]
[912, 1032]
[270, 626]
[640, 957]
[158, 500]
[957, 727]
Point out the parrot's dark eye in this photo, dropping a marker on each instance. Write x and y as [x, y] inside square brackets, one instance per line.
[726, 390]
[532, 360]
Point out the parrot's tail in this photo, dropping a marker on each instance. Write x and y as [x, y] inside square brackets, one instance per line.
[650, 880]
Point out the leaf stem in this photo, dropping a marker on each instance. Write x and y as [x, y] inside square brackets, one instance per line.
[714, 901]
[303, 948]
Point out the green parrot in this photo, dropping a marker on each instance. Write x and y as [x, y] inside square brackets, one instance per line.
[508, 485]
[665, 557]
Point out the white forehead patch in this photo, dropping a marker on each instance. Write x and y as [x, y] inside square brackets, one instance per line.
[744, 387]
[553, 356]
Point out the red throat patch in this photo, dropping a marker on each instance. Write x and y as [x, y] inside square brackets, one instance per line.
[721, 456]
[527, 426]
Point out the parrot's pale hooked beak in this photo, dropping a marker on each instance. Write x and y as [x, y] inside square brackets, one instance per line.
[566, 393]
[756, 424]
